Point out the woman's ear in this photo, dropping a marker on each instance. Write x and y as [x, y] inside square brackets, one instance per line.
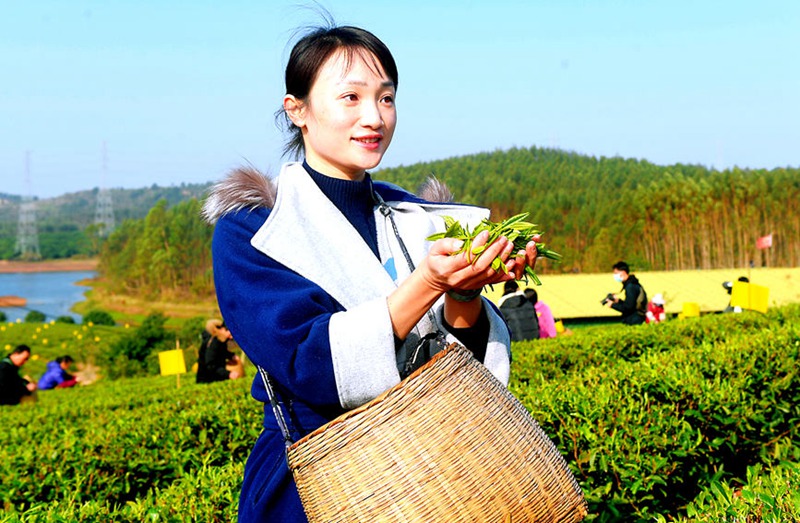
[295, 110]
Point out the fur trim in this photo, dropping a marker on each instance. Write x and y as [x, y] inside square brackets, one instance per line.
[244, 188]
[435, 191]
[248, 188]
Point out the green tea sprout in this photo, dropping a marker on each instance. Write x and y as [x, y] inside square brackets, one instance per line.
[518, 232]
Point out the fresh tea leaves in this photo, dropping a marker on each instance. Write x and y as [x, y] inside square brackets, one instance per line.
[515, 228]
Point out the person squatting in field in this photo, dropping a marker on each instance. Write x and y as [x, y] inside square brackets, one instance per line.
[13, 387]
[311, 274]
[634, 306]
[519, 313]
[655, 310]
[56, 375]
[214, 361]
[544, 315]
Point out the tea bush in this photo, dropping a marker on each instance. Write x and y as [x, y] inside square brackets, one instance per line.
[650, 417]
[690, 420]
[120, 449]
[768, 497]
[98, 317]
[34, 316]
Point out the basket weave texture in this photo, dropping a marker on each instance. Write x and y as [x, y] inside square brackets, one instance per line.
[448, 443]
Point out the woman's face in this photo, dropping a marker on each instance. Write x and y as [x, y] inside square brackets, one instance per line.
[349, 117]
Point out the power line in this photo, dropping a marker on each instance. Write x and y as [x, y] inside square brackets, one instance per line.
[27, 232]
[104, 212]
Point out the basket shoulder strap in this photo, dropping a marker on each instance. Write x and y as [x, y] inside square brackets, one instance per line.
[276, 409]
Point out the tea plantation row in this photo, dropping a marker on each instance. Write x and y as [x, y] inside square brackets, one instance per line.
[697, 419]
[651, 418]
[131, 450]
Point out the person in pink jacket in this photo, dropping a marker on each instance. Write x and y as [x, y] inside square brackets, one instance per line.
[547, 324]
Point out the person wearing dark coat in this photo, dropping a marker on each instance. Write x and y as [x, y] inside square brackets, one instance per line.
[634, 306]
[519, 313]
[13, 387]
[214, 357]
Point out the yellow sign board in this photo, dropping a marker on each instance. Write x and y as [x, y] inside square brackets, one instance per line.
[690, 310]
[749, 296]
[171, 362]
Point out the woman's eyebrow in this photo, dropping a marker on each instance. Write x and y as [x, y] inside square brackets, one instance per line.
[362, 83]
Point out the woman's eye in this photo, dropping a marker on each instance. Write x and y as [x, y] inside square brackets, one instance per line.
[350, 97]
[388, 99]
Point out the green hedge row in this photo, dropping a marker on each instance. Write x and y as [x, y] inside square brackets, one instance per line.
[118, 450]
[650, 417]
[695, 419]
[768, 496]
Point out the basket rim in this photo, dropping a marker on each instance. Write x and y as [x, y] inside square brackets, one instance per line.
[450, 349]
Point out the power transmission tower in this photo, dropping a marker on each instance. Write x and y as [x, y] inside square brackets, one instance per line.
[104, 213]
[27, 232]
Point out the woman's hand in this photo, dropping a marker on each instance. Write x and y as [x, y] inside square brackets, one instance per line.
[525, 258]
[443, 271]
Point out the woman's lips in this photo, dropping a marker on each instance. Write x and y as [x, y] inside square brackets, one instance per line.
[369, 142]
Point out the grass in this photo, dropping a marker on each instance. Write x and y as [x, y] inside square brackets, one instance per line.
[133, 310]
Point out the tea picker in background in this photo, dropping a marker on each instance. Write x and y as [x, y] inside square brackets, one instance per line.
[519, 313]
[13, 387]
[728, 286]
[655, 309]
[214, 359]
[634, 306]
[56, 375]
[544, 316]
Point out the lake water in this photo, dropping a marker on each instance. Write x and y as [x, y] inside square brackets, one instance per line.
[52, 293]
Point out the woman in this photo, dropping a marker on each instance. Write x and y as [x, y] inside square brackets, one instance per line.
[311, 270]
[214, 358]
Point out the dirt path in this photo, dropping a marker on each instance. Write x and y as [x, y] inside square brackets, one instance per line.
[10, 266]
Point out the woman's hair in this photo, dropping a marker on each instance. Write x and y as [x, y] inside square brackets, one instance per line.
[308, 56]
[66, 358]
[213, 325]
[509, 287]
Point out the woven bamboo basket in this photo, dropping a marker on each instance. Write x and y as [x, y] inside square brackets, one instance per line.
[448, 443]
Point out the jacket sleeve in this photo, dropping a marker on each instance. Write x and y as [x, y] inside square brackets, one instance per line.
[628, 305]
[278, 318]
[498, 347]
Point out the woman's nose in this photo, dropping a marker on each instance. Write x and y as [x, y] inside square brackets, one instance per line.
[371, 115]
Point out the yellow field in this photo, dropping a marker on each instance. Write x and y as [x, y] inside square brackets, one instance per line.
[579, 295]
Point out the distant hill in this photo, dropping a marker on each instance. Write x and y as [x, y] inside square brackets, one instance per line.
[61, 221]
[593, 210]
[596, 211]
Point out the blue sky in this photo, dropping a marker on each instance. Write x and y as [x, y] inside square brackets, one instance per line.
[181, 91]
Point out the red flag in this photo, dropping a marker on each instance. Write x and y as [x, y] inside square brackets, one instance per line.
[764, 242]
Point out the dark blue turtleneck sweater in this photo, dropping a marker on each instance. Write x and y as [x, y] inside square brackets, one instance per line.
[354, 200]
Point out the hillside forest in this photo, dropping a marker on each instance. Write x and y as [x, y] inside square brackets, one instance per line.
[594, 211]
[65, 224]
